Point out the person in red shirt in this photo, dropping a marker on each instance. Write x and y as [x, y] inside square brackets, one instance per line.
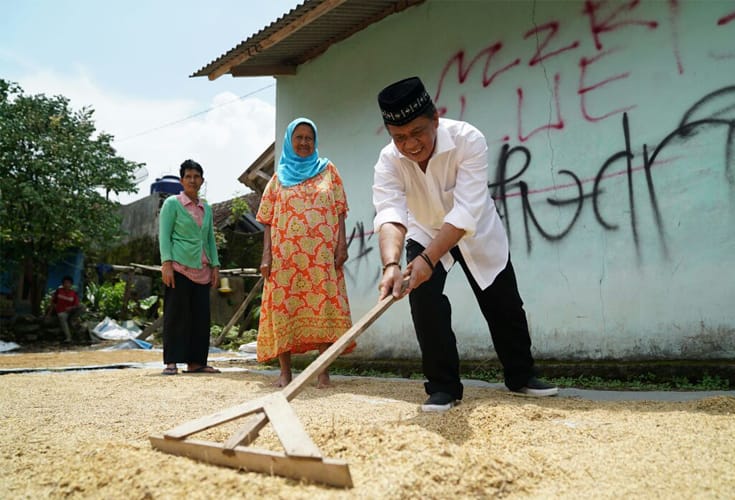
[65, 302]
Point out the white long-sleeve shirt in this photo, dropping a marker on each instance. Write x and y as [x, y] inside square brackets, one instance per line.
[453, 190]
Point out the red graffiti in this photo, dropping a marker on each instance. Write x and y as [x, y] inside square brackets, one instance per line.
[611, 22]
[721, 56]
[726, 19]
[674, 20]
[553, 27]
[559, 124]
[583, 89]
[463, 70]
[618, 20]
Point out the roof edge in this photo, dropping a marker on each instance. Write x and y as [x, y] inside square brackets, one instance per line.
[279, 33]
[233, 61]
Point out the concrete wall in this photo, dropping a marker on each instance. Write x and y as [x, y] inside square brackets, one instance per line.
[611, 131]
[140, 218]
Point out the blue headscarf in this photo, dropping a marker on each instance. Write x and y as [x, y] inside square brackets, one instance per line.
[293, 169]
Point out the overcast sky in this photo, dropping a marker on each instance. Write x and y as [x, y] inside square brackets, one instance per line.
[130, 61]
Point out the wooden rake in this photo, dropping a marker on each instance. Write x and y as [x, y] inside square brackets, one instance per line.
[301, 459]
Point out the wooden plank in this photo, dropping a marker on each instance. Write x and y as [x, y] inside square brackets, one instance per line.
[240, 271]
[327, 470]
[126, 295]
[203, 423]
[250, 430]
[296, 442]
[247, 433]
[121, 268]
[151, 328]
[262, 175]
[278, 69]
[146, 267]
[240, 310]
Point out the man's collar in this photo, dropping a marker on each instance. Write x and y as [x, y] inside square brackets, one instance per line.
[444, 141]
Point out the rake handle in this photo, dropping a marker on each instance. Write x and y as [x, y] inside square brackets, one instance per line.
[328, 356]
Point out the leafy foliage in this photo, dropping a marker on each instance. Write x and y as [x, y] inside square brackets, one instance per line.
[108, 298]
[239, 207]
[46, 300]
[54, 168]
[234, 338]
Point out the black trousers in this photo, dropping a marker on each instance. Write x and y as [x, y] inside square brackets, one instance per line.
[186, 322]
[502, 307]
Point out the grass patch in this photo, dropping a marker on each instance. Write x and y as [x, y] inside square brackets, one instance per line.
[362, 372]
[647, 382]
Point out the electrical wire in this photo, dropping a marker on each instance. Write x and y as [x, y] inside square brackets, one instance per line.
[169, 124]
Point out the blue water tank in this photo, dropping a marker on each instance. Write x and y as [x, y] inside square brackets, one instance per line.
[167, 184]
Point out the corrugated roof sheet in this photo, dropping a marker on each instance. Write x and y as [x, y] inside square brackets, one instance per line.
[300, 35]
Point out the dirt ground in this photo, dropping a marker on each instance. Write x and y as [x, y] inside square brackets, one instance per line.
[84, 434]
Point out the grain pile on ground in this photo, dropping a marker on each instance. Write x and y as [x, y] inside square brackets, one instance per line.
[84, 434]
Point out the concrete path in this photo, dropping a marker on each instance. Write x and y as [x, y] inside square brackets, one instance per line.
[597, 395]
[591, 395]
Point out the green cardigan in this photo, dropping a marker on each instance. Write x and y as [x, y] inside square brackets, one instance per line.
[180, 238]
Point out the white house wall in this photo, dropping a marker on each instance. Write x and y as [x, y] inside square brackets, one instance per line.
[615, 258]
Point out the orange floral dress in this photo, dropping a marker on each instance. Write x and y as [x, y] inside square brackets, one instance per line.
[304, 300]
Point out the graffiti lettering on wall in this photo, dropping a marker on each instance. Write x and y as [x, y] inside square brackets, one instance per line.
[706, 114]
[604, 18]
[549, 40]
[710, 113]
[360, 249]
[730, 18]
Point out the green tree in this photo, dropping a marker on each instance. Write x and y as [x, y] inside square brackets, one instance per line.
[56, 171]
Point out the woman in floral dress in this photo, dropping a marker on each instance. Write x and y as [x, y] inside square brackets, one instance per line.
[304, 305]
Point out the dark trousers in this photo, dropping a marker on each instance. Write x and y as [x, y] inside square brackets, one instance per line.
[186, 322]
[502, 307]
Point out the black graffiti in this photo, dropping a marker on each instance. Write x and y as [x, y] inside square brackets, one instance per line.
[361, 255]
[499, 192]
[712, 107]
[709, 112]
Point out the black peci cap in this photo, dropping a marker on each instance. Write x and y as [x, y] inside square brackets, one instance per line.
[403, 101]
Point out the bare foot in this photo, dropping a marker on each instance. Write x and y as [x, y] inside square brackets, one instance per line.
[283, 380]
[284, 361]
[322, 381]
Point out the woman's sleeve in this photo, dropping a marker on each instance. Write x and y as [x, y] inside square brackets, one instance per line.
[340, 198]
[267, 202]
[166, 220]
[211, 243]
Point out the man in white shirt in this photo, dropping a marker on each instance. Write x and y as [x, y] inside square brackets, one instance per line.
[430, 190]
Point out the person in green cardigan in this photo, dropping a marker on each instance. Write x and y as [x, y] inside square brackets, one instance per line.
[189, 266]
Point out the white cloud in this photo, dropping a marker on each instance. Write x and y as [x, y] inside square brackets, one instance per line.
[225, 140]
